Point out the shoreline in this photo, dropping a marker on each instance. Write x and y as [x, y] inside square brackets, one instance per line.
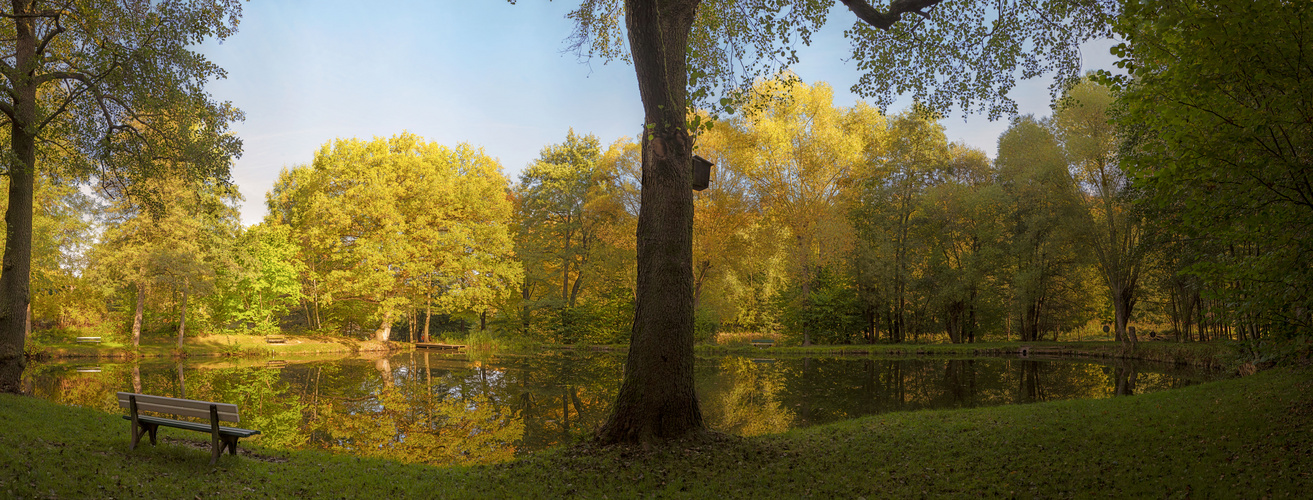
[1210, 355]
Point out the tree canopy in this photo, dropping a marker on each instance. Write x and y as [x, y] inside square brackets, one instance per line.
[109, 87]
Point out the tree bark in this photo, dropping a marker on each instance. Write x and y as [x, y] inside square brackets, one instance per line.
[1123, 304]
[657, 400]
[16, 270]
[384, 331]
[428, 318]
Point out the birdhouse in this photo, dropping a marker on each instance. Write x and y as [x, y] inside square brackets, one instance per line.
[701, 173]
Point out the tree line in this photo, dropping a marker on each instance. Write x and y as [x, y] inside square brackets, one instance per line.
[823, 224]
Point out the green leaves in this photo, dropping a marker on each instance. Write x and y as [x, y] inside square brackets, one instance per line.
[1215, 112]
[574, 239]
[391, 223]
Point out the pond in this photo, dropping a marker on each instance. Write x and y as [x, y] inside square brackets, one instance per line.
[454, 408]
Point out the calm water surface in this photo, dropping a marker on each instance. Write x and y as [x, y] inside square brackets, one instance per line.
[451, 408]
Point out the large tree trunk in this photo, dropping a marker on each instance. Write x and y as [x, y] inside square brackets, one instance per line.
[16, 271]
[1123, 304]
[656, 399]
[384, 331]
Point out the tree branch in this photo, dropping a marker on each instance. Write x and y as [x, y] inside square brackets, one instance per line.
[45, 41]
[886, 20]
[43, 13]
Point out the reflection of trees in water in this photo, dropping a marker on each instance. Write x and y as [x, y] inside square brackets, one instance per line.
[445, 409]
[1125, 375]
[442, 410]
[1032, 389]
[746, 399]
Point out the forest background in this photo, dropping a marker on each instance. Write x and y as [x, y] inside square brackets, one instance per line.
[823, 224]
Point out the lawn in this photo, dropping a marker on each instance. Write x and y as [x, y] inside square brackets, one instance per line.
[1239, 438]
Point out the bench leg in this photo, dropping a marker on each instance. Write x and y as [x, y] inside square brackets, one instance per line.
[141, 429]
[230, 442]
[216, 449]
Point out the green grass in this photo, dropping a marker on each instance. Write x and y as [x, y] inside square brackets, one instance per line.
[1238, 438]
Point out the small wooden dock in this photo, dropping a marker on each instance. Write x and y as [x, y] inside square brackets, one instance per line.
[439, 347]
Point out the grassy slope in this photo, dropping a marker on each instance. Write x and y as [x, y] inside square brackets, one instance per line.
[1246, 437]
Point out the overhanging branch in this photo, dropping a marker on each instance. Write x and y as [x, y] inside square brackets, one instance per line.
[885, 20]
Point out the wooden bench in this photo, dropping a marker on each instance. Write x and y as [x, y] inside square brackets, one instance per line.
[220, 437]
[88, 340]
[763, 343]
[275, 339]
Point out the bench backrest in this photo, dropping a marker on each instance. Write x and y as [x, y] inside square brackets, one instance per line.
[182, 407]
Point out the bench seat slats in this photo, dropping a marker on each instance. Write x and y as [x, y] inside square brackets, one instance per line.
[183, 407]
[195, 426]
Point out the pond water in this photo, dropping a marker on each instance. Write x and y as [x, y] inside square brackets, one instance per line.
[452, 408]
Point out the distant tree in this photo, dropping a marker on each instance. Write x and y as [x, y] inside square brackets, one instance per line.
[740, 255]
[1047, 227]
[62, 232]
[569, 205]
[886, 213]
[171, 248]
[962, 222]
[798, 152]
[262, 281]
[94, 78]
[1117, 229]
[384, 224]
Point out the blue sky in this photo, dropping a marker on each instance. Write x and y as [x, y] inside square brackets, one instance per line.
[484, 72]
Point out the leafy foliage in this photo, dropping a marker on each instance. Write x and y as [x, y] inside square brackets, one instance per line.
[390, 225]
[573, 232]
[1217, 112]
[963, 53]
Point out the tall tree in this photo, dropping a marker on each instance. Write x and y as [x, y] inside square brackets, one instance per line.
[1118, 228]
[964, 53]
[1046, 230]
[172, 248]
[262, 281]
[569, 203]
[1219, 117]
[798, 151]
[381, 223]
[962, 222]
[93, 75]
[887, 206]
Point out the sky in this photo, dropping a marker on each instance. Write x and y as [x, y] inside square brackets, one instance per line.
[484, 72]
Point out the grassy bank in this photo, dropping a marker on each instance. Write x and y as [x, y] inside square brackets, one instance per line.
[1246, 437]
[210, 345]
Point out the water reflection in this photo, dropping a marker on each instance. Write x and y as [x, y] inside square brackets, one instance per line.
[449, 409]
